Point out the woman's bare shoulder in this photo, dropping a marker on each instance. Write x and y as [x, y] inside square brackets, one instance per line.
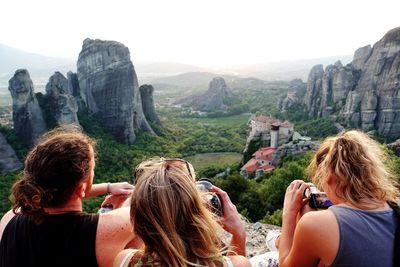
[5, 220]
[321, 227]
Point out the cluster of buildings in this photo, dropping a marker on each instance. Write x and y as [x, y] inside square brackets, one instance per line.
[272, 133]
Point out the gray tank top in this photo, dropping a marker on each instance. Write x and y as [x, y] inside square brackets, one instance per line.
[366, 237]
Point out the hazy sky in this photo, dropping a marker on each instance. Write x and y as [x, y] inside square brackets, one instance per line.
[202, 32]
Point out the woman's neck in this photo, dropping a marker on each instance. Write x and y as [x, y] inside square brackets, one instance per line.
[69, 207]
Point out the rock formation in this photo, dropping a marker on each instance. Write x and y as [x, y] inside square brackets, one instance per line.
[214, 99]
[109, 87]
[27, 115]
[312, 99]
[62, 104]
[75, 91]
[365, 93]
[8, 160]
[395, 146]
[293, 149]
[146, 94]
[297, 89]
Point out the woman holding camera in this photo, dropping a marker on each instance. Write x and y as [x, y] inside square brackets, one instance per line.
[359, 229]
[170, 215]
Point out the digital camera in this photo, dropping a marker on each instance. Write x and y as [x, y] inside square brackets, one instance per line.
[105, 208]
[213, 200]
[317, 199]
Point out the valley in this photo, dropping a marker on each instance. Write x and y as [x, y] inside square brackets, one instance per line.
[205, 118]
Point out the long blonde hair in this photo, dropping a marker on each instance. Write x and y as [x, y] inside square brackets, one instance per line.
[170, 216]
[357, 162]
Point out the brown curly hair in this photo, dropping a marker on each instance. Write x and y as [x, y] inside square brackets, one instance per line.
[53, 170]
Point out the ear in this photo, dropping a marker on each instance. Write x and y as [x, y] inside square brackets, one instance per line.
[80, 191]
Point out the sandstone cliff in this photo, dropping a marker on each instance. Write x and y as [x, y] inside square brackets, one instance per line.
[297, 90]
[365, 93]
[146, 93]
[62, 104]
[109, 87]
[75, 91]
[27, 115]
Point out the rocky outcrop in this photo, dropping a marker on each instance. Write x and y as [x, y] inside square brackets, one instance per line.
[146, 94]
[293, 148]
[75, 91]
[297, 90]
[365, 93]
[312, 99]
[361, 56]
[256, 234]
[27, 115]
[109, 87]
[395, 146]
[62, 105]
[8, 160]
[214, 99]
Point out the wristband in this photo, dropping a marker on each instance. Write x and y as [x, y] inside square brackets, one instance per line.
[108, 188]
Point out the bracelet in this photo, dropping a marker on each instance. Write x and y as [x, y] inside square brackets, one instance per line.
[108, 188]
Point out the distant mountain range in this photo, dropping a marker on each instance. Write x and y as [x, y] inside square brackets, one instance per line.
[42, 67]
[38, 65]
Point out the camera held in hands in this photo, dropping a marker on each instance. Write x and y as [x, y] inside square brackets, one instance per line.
[317, 199]
[213, 200]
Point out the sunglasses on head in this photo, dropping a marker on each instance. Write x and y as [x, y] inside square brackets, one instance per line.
[183, 161]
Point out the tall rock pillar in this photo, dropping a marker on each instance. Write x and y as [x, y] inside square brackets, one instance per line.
[27, 115]
[110, 89]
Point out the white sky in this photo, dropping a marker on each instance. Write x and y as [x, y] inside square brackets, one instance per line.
[202, 32]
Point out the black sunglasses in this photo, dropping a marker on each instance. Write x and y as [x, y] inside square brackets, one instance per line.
[183, 161]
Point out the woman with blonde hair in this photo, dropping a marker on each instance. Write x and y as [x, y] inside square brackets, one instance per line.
[172, 218]
[359, 229]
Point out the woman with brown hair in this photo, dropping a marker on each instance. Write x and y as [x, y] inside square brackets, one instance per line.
[359, 229]
[47, 226]
[170, 215]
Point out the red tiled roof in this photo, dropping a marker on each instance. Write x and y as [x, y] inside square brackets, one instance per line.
[264, 153]
[273, 121]
[251, 166]
[263, 118]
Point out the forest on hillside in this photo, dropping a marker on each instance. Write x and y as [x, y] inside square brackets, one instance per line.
[186, 136]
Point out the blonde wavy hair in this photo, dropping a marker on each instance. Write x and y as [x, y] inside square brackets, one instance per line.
[171, 217]
[357, 162]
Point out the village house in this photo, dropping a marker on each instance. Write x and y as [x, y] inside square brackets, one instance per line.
[260, 162]
[272, 133]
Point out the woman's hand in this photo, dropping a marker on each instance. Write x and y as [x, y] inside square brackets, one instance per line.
[294, 196]
[231, 221]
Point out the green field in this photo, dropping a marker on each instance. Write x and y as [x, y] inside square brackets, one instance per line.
[206, 160]
[230, 121]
